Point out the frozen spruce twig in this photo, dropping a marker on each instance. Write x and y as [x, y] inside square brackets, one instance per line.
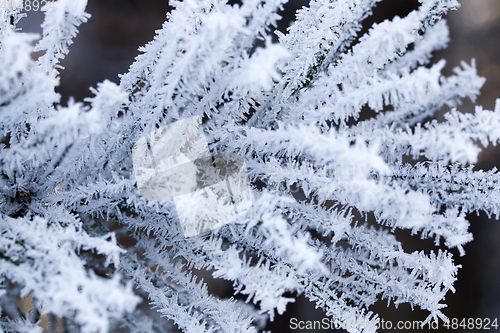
[194, 157]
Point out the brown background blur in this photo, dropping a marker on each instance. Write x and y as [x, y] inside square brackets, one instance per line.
[107, 44]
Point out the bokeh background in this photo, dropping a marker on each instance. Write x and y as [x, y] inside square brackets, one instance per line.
[108, 43]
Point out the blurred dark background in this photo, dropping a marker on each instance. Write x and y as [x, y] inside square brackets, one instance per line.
[108, 43]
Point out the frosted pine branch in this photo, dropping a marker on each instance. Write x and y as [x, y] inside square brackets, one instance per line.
[272, 141]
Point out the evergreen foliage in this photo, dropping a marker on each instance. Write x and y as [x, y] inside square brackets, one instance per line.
[292, 109]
